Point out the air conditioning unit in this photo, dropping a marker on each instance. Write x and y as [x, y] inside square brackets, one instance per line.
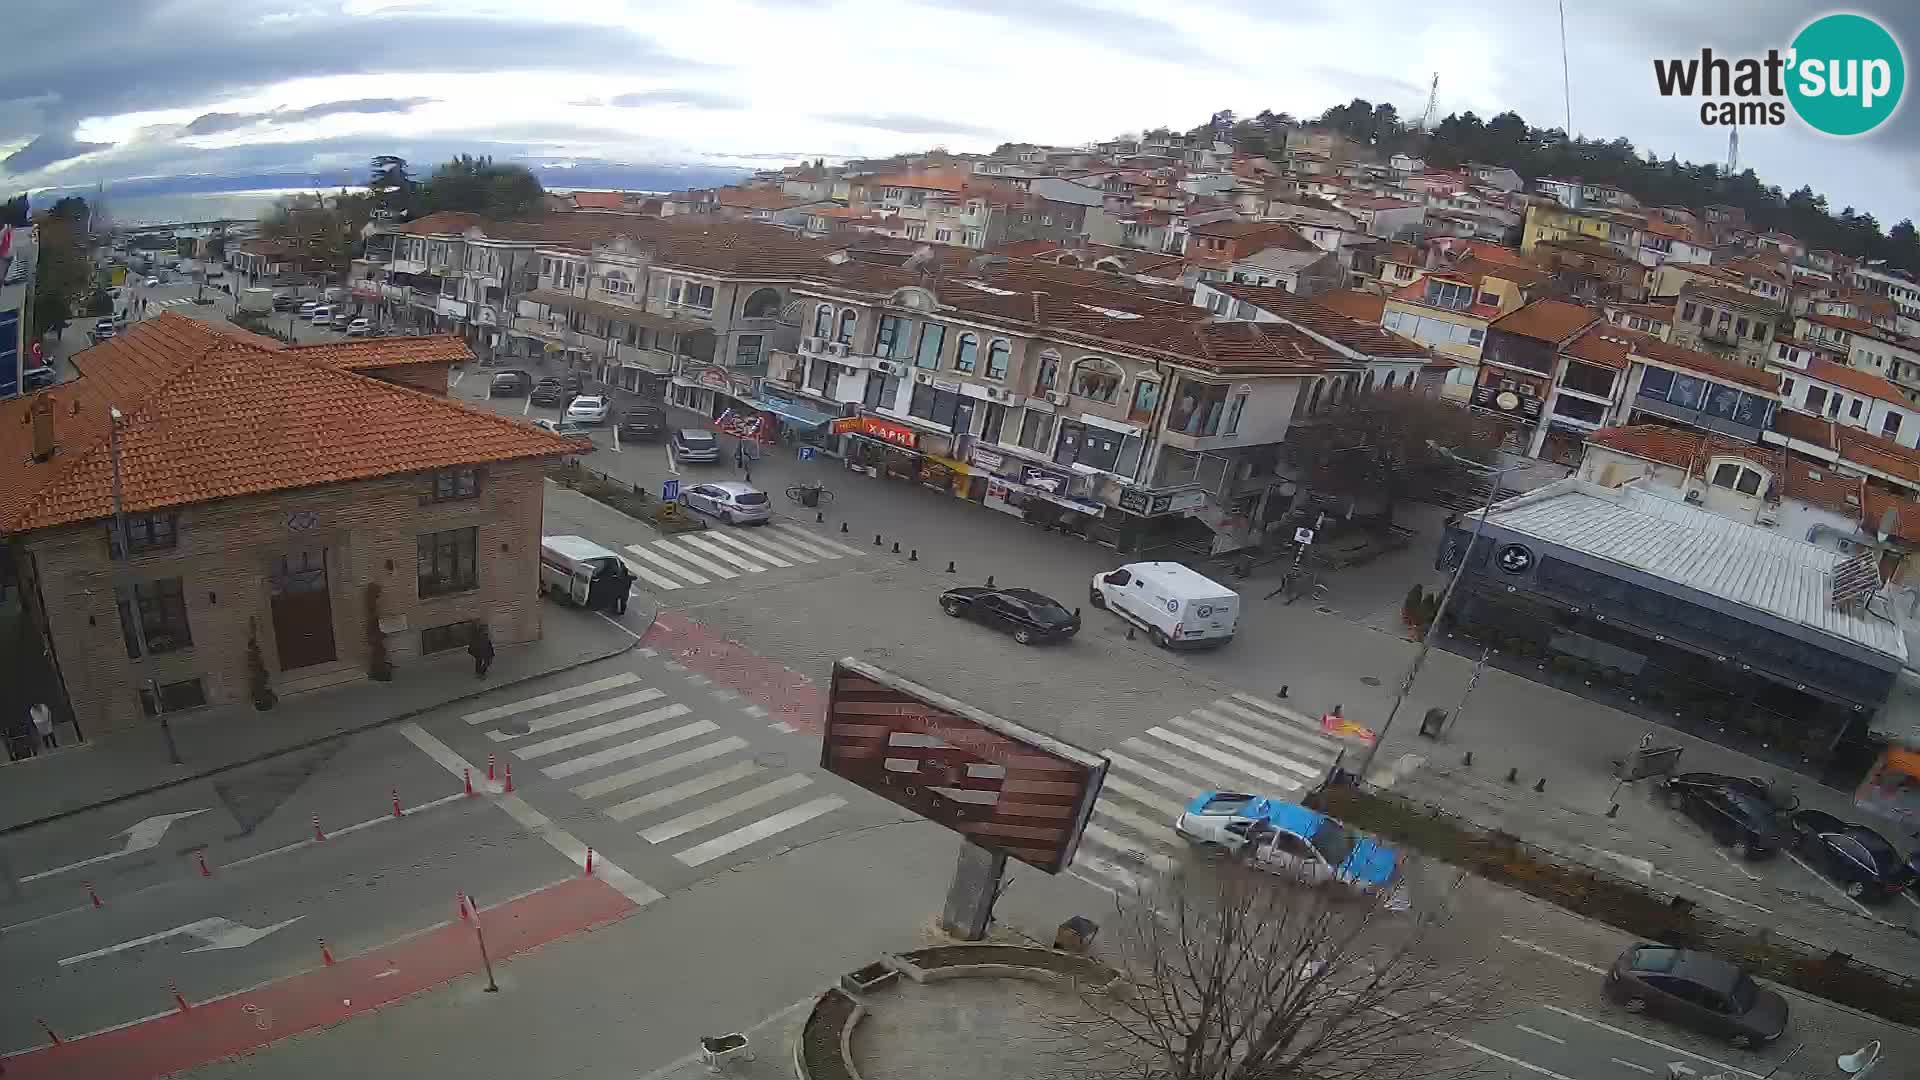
[922, 377]
[994, 393]
[1769, 515]
[1057, 397]
[889, 367]
[838, 348]
[1694, 495]
[813, 345]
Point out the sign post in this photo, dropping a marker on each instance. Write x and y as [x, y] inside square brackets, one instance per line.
[669, 491]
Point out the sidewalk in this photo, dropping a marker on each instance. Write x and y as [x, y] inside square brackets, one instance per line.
[214, 740]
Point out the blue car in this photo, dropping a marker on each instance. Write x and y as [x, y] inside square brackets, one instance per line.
[1285, 837]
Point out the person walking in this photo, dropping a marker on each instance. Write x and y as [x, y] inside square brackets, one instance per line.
[481, 649]
[42, 718]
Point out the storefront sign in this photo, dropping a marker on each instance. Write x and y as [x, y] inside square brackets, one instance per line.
[987, 459]
[1135, 501]
[1191, 499]
[1042, 480]
[950, 387]
[1514, 559]
[874, 427]
[713, 379]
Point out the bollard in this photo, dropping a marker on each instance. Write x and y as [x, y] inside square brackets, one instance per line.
[1468, 759]
[589, 872]
[326, 954]
[91, 895]
[876, 540]
[318, 836]
[819, 517]
[204, 872]
[950, 566]
[843, 526]
[1540, 784]
[989, 581]
[467, 775]
[460, 901]
[1129, 631]
[48, 1028]
[896, 547]
[489, 768]
[1282, 695]
[396, 802]
[1513, 775]
[1613, 811]
[179, 999]
[509, 778]
[914, 555]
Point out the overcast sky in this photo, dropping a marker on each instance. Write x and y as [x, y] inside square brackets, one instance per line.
[108, 89]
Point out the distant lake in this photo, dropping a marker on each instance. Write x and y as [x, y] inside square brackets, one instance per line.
[199, 205]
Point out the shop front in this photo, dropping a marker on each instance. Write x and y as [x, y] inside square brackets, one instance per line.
[712, 390]
[879, 447]
[796, 423]
[1043, 494]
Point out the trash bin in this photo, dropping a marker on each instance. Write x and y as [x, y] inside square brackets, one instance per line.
[809, 496]
[1076, 934]
[1432, 723]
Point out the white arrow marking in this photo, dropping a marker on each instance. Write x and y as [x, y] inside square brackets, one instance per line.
[217, 932]
[141, 835]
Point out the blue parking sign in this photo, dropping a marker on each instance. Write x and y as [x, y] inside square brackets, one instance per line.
[669, 490]
[806, 453]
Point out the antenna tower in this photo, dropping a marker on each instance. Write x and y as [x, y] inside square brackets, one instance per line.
[1433, 102]
[1733, 151]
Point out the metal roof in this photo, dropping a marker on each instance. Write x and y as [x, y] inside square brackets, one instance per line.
[1696, 549]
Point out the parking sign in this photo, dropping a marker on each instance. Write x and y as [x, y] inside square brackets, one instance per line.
[669, 490]
[806, 453]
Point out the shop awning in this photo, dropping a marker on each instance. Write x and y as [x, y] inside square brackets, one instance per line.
[799, 414]
[1075, 505]
[959, 467]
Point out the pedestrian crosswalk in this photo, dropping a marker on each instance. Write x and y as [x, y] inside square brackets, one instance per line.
[645, 761]
[175, 302]
[724, 555]
[1235, 743]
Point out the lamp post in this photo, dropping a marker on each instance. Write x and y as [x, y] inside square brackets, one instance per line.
[1446, 597]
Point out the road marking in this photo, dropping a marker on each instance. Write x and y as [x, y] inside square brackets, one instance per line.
[1218, 755]
[141, 835]
[1114, 842]
[766, 556]
[1908, 897]
[601, 731]
[1842, 893]
[783, 547]
[649, 771]
[1715, 892]
[218, 933]
[1537, 1033]
[1650, 1042]
[725, 808]
[672, 465]
[1285, 729]
[1729, 860]
[759, 830]
[553, 698]
[1171, 783]
[1142, 826]
[680, 1064]
[1631, 1065]
[1250, 749]
[616, 439]
[667, 796]
[825, 548]
[644, 574]
[1169, 807]
[559, 839]
[524, 409]
[667, 564]
[584, 712]
[344, 830]
[1196, 768]
[690, 555]
[1562, 957]
[629, 750]
[719, 552]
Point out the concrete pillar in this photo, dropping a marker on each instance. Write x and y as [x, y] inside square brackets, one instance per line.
[976, 881]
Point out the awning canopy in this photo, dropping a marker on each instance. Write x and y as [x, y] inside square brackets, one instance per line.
[554, 298]
[799, 414]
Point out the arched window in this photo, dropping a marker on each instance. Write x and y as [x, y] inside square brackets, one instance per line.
[617, 283]
[1366, 387]
[823, 321]
[1048, 374]
[997, 356]
[1313, 402]
[845, 336]
[763, 304]
[1146, 398]
[1388, 384]
[965, 353]
[1097, 378]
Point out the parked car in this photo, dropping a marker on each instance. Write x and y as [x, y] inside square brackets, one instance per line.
[694, 445]
[307, 309]
[565, 427]
[283, 302]
[1740, 813]
[1698, 991]
[729, 500]
[1287, 838]
[322, 315]
[36, 378]
[1027, 615]
[342, 319]
[104, 329]
[588, 410]
[643, 423]
[547, 391]
[359, 327]
[153, 283]
[1178, 607]
[1861, 861]
[513, 383]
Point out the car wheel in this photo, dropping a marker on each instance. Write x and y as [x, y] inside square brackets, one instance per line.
[1855, 889]
[1159, 639]
[953, 608]
[727, 516]
[1741, 849]
[1099, 602]
[1023, 636]
[1740, 1041]
[1635, 1005]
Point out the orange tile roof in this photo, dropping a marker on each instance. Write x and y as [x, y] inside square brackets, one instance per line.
[1820, 484]
[1647, 347]
[1546, 320]
[1872, 451]
[1365, 307]
[1856, 380]
[1655, 312]
[1654, 442]
[1906, 513]
[208, 417]
[1721, 295]
[384, 352]
[1310, 315]
[1840, 322]
[1604, 344]
[599, 200]
[1800, 427]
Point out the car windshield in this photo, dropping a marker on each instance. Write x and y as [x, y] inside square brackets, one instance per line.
[1745, 992]
[696, 440]
[1226, 805]
[1650, 958]
[1333, 841]
[751, 498]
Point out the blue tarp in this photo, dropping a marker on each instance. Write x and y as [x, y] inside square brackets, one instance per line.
[799, 414]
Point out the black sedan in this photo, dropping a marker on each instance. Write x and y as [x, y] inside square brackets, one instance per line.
[547, 392]
[1864, 864]
[1698, 991]
[1027, 615]
[1740, 813]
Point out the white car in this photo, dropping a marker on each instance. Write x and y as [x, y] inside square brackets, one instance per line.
[307, 309]
[153, 283]
[358, 327]
[730, 501]
[322, 314]
[588, 410]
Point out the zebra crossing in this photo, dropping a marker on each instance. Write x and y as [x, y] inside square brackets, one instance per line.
[1235, 743]
[680, 781]
[726, 555]
[175, 302]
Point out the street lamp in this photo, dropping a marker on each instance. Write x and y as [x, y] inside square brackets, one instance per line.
[1426, 639]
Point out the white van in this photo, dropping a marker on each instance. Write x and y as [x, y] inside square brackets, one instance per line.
[577, 569]
[1177, 607]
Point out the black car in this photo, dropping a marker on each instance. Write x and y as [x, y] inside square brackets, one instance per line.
[1864, 864]
[1741, 813]
[1697, 991]
[1029, 616]
[509, 384]
[547, 392]
[36, 378]
[643, 423]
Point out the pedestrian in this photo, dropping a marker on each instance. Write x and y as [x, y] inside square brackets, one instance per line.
[481, 649]
[42, 718]
[740, 454]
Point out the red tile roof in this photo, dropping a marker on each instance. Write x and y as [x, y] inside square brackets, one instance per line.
[1906, 513]
[599, 200]
[1819, 484]
[1840, 322]
[1705, 363]
[384, 352]
[1874, 452]
[208, 417]
[1546, 320]
[1856, 380]
[1803, 428]
[1365, 307]
[1604, 344]
[1693, 290]
[1654, 442]
[1314, 318]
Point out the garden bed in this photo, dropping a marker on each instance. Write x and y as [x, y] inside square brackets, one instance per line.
[823, 1039]
[630, 499]
[944, 956]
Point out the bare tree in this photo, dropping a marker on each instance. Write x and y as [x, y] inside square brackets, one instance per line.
[1377, 449]
[1233, 973]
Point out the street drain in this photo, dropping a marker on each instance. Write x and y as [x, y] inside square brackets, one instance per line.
[1324, 609]
[1369, 680]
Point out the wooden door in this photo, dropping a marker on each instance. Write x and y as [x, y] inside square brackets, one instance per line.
[302, 609]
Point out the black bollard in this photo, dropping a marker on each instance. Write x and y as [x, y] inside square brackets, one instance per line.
[819, 517]
[1468, 760]
[1613, 811]
[843, 526]
[914, 556]
[989, 581]
[876, 540]
[950, 566]
[1129, 631]
[1513, 775]
[1283, 691]
[1540, 784]
[896, 547]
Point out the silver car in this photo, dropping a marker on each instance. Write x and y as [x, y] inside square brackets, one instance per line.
[729, 500]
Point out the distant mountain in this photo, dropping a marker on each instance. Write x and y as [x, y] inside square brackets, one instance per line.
[577, 174]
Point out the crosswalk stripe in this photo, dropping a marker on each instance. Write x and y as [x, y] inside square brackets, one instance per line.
[642, 773]
[1281, 727]
[584, 712]
[1184, 788]
[725, 808]
[629, 750]
[760, 542]
[821, 546]
[1281, 713]
[1220, 756]
[752, 551]
[759, 830]
[693, 556]
[719, 552]
[645, 574]
[1292, 742]
[1137, 823]
[1169, 807]
[551, 698]
[667, 796]
[662, 562]
[601, 731]
[1121, 845]
[1251, 750]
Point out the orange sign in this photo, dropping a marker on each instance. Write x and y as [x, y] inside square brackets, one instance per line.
[874, 427]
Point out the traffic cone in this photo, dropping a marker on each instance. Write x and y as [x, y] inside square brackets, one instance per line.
[396, 802]
[468, 775]
[179, 999]
[326, 954]
[318, 836]
[204, 872]
[509, 777]
[461, 902]
[91, 895]
[489, 767]
[589, 872]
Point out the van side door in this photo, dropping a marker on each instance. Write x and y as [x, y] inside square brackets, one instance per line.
[581, 585]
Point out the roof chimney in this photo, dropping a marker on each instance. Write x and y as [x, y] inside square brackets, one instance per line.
[40, 415]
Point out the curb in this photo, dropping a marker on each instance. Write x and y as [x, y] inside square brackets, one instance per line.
[632, 643]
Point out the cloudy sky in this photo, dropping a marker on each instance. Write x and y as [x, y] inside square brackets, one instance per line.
[110, 89]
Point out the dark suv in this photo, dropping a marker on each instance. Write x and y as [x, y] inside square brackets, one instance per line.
[509, 384]
[643, 423]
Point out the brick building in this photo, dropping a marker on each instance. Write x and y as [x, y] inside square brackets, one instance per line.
[267, 492]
